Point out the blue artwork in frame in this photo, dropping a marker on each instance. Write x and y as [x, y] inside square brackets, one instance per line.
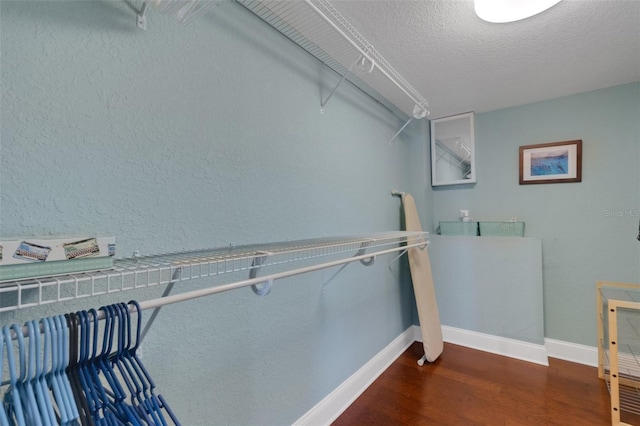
[550, 163]
[555, 162]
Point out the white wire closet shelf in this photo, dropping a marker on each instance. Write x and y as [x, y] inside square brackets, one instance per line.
[319, 28]
[146, 271]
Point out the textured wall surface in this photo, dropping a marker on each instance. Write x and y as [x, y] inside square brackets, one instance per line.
[588, 229]
[203, 136]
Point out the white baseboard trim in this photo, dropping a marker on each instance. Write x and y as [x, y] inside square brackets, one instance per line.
[512, 348]
[334, 404]
[574, 352]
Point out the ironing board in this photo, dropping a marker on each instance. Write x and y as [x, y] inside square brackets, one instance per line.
[423, 287]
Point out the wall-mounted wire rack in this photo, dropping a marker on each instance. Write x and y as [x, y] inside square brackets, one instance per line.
[320, 29]
[619, 345]
[146, 271]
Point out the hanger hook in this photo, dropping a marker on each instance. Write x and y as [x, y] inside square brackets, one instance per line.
[108, 328]
[262, 289]
[18, 332]
[138, 323]
[34, 350]
[127, 317]
[94, 342]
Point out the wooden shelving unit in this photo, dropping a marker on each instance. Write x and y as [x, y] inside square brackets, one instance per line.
[619, 345]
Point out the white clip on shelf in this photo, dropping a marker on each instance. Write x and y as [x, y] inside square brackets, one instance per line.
[168, 269]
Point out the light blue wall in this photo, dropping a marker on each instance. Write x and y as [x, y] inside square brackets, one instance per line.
[492, 285]
[202, 136]
[588, 229]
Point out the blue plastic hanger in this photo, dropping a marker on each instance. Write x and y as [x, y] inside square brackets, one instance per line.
[108, 410]
[158, 399]
[59, 345]
[65, 345]
[12, 402]
[31, 375]
[86, 384]
[73, 371]
[29, 405]
[42, 390]
[58, 365]
[136, 410]
[116, 392]
[108, 414]
[4, 421]
[101, 400]
[116, 360]
[32, 415]
[35, 364]
[135, 390]
[52, 374]
[96, 392]
[146, 404]
[112, 409]
[63, 358]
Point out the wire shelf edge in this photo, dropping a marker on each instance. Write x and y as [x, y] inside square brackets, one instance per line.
[146, 271]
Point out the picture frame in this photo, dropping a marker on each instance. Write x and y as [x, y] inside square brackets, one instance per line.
[555, 162]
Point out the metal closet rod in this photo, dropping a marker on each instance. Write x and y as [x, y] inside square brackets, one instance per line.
[195, 294]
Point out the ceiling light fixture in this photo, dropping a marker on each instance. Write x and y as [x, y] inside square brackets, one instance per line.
[500, 11]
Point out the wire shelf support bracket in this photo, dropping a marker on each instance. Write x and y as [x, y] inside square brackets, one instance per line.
[141, 18]
[362, 66]
[418, 113]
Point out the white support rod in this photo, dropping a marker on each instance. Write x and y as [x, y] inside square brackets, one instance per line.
[400, 131]
[150, 304]
[195, 294]
[344, 77]
[363, 53]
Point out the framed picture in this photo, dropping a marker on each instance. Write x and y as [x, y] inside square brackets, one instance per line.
[555, 162]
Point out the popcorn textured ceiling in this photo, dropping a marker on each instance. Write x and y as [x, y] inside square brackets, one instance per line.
[461, 63]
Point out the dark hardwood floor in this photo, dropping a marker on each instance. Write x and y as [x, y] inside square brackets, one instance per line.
[470, 387]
